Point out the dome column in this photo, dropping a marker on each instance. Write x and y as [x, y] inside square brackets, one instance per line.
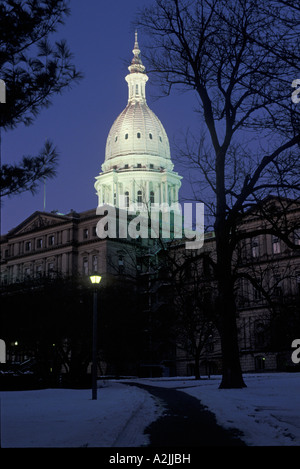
[147, 195]
[132, 191]
[156, 194]
[116, 192]
[166, 192]
[161, 201]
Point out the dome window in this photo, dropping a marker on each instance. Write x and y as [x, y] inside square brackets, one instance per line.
[126, 136]
[160, 138]
[138, 135]
[116, 138]
[150, 136]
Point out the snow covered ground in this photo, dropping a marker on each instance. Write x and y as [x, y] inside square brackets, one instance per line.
[267, 412]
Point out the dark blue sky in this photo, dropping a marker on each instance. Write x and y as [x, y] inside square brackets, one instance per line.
[101, 36]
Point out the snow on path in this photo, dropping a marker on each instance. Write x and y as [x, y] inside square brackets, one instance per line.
[267, 411]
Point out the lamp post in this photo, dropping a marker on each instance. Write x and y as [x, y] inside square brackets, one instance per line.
[95, 279]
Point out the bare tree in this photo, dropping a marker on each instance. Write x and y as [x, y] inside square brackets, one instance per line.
[193, 304]
[240, 58]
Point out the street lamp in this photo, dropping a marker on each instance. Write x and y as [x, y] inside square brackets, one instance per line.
[95, 279]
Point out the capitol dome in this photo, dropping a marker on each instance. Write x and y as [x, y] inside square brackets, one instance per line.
[137, 166]
[137, 131]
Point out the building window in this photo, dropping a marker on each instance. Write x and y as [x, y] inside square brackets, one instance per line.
[275, 245]
[85, 266]
[50, 269]
[260, 334]
[255, 247]
[150, 136]
[116, 138]
[151, 166]
[160, 139]
[39, 271]
[139, 197]
[126, 199]
[95, 263]
[139, 165]
[136, 89]
[126, 166]
[138, 135]
[115, 198]
[51, 240]
[28, 246]
[151, 197]
[257, 294]
[126, 136]
[39, 243]
[27, 272]
[85, 233]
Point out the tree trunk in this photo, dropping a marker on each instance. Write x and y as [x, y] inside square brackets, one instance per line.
[197, 365]
[231, 367]
[231, 372]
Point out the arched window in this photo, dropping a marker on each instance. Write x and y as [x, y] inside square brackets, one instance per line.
[126, 136]
[151, 197]
[127, 199]
[139, 197]
[138, 135]
[150, 136]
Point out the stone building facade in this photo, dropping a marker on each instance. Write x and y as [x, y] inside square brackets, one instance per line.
[267, 291]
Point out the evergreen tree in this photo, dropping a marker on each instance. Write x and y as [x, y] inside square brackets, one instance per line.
[33, 70]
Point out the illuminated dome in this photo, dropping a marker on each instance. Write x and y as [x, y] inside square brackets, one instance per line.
[137, 165]
[137, 131]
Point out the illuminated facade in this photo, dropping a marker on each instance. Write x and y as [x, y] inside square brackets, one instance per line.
[137, 167]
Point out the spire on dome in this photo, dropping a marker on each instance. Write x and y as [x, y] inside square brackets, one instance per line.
[136, 63]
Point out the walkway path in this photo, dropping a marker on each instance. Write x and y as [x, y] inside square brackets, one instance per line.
[186, 422]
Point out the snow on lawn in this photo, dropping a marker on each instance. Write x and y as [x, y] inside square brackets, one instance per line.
[58, 418]
[267, 412]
